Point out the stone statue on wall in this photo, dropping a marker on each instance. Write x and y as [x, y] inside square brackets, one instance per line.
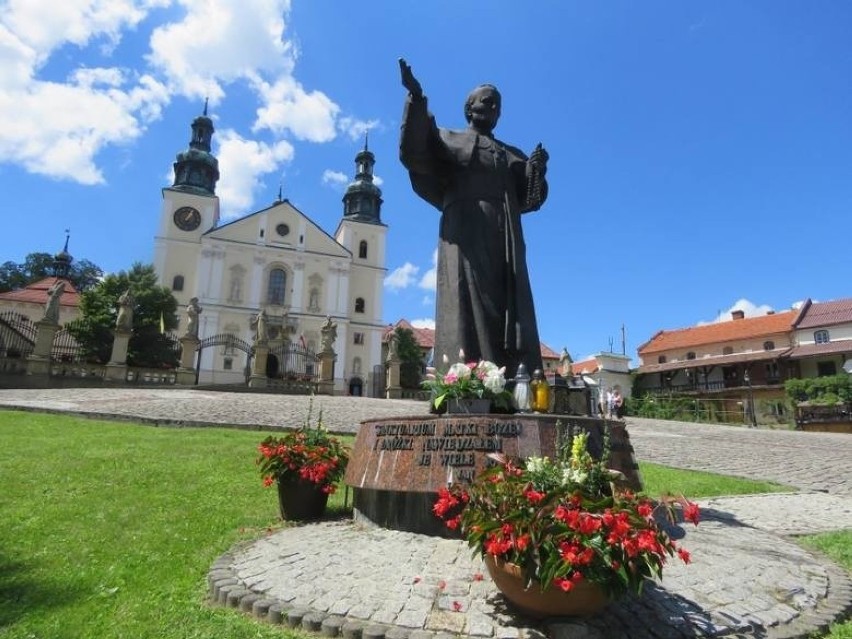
[193, 310]
[51, 306]
[482, 186]
[329, 334]
[260, 325]
[393, 346]
[124, 321]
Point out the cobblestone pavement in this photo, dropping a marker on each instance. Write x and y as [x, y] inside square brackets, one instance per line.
[746, 579]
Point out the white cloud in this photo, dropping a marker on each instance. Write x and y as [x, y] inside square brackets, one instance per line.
[750, 309]
[426, 322]
[427, 300]
[377, 180]
[401, 277]
[355, 128]
[220, 41]
[56, 128]
[289, 108]
[201, 52]
[334, 178]
[242, 162]
[429, 281]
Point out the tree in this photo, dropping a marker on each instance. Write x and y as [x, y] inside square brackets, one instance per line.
[83, 274]
[410, 358]
[99, 309]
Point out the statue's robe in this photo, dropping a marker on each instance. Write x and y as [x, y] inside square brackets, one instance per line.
[484, 302]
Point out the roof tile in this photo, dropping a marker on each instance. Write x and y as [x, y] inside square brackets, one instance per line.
[719, 332]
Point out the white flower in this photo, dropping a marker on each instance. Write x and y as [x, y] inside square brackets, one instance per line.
[461, 354]
[495, 383]
[459, 371]
[536, 464]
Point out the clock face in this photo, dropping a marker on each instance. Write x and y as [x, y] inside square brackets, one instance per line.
[187, 218]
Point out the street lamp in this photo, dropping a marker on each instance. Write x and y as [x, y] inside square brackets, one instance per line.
[747, 380]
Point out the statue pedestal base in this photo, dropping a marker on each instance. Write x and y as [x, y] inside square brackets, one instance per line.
[185, 376]
[257, 381]
[115, 372]
[398, 464]
[37, 365]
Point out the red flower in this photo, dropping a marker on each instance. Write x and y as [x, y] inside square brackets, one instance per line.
[644, 509]
[477, 576]
[684, 555]
[564, 584]
[691, 512]
[457, 606]
[533, 496]
[442, 584]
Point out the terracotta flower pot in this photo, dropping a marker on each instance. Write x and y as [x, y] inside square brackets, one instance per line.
[584, 599]
[300, 499]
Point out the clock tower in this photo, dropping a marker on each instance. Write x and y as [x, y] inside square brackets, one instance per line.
[190, 209]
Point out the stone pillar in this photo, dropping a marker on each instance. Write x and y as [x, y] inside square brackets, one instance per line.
[116, 368]
[38, 363]
[186, 370]
[326, 376]
[393, 390]
[258, 367]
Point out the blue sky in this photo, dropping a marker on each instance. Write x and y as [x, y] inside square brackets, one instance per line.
[701, 153]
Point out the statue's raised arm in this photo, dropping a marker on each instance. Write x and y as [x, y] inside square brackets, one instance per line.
[409, 81]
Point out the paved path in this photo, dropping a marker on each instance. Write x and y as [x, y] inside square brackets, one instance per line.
[747, 578]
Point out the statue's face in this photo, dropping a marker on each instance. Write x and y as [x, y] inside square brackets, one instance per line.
[482, 108]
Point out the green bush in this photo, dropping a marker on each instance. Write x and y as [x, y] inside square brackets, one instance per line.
[833, 389]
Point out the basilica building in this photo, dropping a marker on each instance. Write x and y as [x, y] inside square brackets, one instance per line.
[277, 261]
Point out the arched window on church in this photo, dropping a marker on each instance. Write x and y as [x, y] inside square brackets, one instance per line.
[177, 283]
[277, 286]
[362, 250]
[359, 305]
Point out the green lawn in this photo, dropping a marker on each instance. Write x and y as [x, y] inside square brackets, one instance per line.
[108, 529]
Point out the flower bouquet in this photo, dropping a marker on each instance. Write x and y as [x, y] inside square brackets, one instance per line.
[563, 524]
[471, 380]
[307, 463]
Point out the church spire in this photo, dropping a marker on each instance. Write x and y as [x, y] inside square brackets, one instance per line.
[62, 260]
[197, 169]
[363, 199]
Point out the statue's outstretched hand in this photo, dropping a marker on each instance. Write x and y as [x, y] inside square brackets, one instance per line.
[408, 80]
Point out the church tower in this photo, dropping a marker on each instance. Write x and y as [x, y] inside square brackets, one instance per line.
[362, 233]
[190, 209]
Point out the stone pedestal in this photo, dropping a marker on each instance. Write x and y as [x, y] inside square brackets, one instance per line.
[188, 347]
[393, 389]
[45, 332]
[186, 371]
[326, 374]
[398, 464]
[38, 363]
[257, 379]
[115, 372]
[119, 349]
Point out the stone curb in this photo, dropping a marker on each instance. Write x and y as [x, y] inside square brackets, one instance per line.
[227, 590]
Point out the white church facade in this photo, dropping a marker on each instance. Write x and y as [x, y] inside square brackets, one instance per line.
[275, 260]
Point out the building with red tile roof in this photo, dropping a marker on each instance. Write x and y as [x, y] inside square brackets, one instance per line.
[30, 300]
[822, 338]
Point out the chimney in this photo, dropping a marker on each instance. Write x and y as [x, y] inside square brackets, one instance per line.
[770, 312]
[737, 315]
